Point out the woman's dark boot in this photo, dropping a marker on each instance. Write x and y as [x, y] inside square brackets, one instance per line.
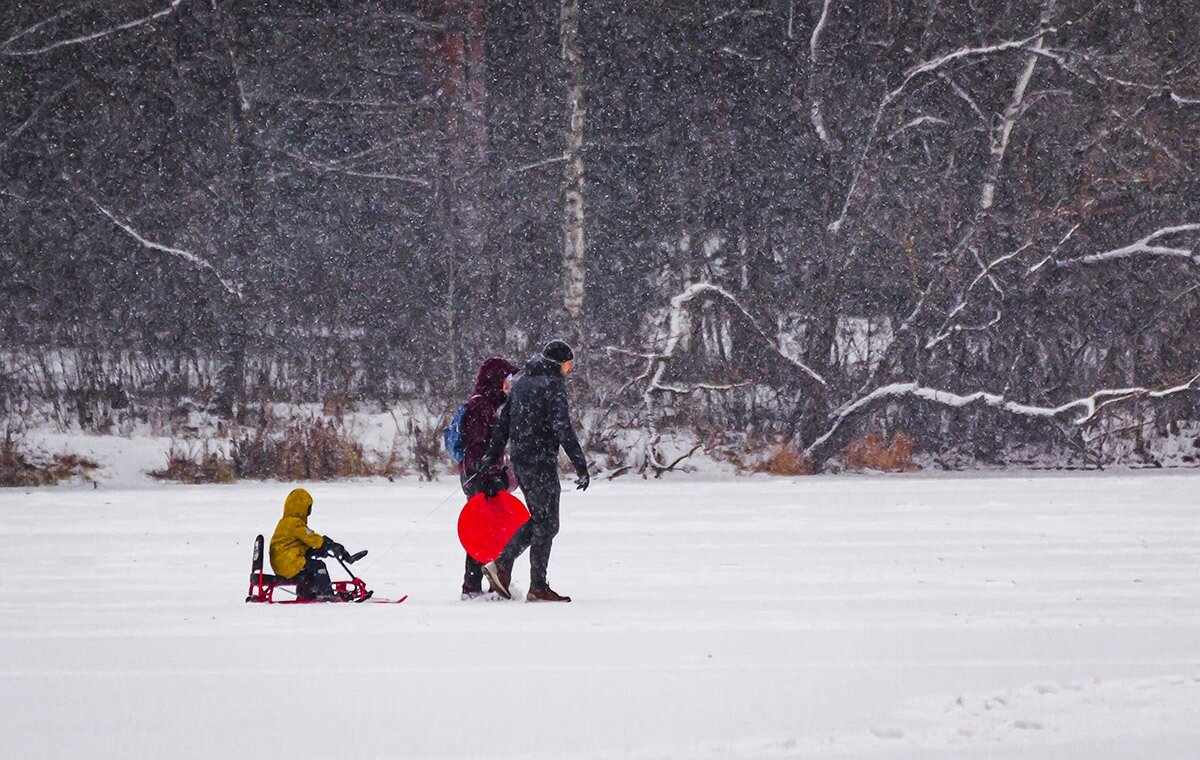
[499, 578]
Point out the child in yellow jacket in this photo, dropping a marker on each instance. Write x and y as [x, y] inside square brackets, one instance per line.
[295, 548]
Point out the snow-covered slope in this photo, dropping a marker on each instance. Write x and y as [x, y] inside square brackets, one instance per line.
[896, 617]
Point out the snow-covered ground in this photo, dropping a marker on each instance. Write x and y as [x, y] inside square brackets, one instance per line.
[896, 617]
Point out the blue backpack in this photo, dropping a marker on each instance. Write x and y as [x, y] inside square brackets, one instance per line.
[453, 437]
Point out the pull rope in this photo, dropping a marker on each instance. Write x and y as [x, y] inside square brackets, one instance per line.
[428, 515]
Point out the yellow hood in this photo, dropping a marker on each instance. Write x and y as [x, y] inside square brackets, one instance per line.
[298, 504]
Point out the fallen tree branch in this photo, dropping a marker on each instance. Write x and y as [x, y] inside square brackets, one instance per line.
[1091, 405]
[652, 462]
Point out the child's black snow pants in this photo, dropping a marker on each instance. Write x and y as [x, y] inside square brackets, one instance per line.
[313, 580]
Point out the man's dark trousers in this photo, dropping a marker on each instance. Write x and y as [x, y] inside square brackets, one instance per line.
[542, 489]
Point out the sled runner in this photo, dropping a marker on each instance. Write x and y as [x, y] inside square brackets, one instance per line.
[263, 585]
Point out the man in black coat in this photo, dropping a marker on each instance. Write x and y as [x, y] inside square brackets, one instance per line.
[534, 424]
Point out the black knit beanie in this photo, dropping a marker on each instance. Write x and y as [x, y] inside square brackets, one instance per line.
[559, 351]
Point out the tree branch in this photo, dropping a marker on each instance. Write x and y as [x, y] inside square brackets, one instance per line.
[894, 95]
[679, 326]
[337, 166]
[948, 328]
[815, 109]
[33, 116]
[999, 140]
[538, 164]
[1063, 57]
[98, 34]
[914, 123]
[56, 17]
[1143, 247]
[228, 286]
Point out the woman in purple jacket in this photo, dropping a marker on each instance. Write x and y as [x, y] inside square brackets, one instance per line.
[483, 409]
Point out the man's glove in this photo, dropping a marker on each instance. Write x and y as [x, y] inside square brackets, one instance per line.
[333, 548]
[492, 486]
[582, 482]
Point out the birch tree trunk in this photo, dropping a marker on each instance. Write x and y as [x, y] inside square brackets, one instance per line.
[574, 251]
[475, 126]
[1000, 137]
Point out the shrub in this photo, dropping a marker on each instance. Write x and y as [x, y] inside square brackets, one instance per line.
[186, 464]
[21, 468]
[785, 461]
[392, 465]
[872, 453]
[427, 452]
[305, 449]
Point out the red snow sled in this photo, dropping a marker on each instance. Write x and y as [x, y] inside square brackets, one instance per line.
[486, 525]
[263, 585]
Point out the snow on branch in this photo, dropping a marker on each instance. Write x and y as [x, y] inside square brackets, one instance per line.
[891, 97]
[966, 97]
[339, 166]
[745, 12]
[49, 20]
[949, 327]
[1000, 137]
[690, 389]
[1144, 247]
[538, 164]
[382, 175]
[915, 123]
[679, 325]
[168, 10]
[727, 50]
[815, 110]
[228, 286]
[1088, 406]
[1067, 59]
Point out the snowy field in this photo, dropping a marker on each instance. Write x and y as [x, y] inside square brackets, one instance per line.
[892, 617]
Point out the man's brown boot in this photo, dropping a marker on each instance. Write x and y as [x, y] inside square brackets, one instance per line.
[545, 594]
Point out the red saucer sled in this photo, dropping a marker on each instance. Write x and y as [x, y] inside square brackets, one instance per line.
[263, 585]
[486, 525]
